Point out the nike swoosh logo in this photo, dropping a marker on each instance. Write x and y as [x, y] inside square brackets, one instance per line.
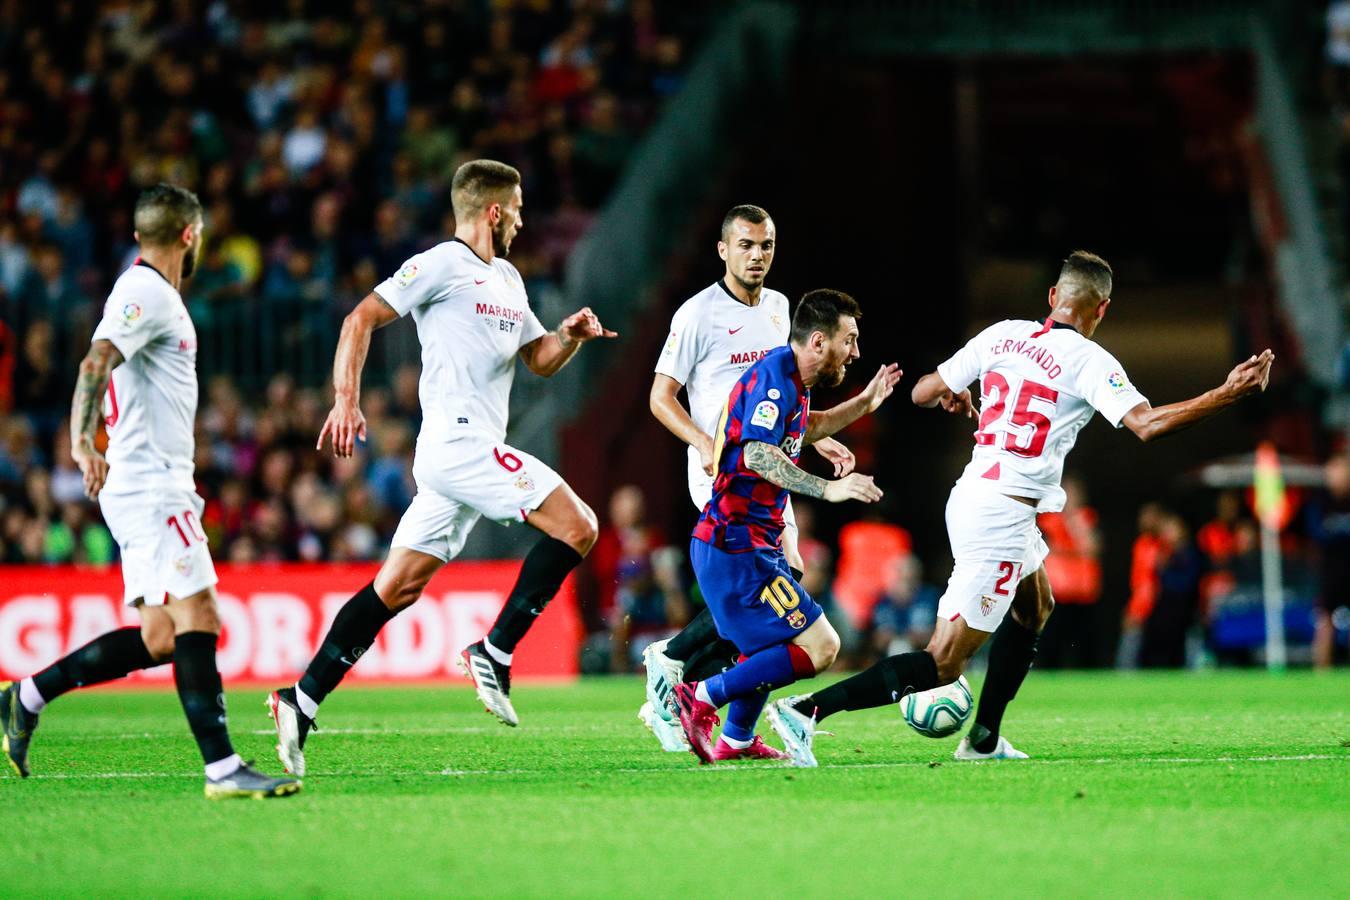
[734, 330]
[476, 281]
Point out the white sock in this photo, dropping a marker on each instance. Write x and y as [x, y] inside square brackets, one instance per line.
[222, 768]
[306, 703]
[30, 698]
[701, 693]
[735, 744]
[500, 656]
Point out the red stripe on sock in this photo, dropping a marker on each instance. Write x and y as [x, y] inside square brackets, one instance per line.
[802, 666]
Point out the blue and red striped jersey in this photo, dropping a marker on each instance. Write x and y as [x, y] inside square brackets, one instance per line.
[768, 403]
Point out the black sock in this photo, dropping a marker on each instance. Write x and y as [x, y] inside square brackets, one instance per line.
[697, 635]
[885, 682]
[200, 692]
[353, 631]
[113, 655]
[710, 659]
[1010, 657]
[541, 574]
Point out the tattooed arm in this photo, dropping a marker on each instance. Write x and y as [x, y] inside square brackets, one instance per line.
[773, 465]
[85, 411]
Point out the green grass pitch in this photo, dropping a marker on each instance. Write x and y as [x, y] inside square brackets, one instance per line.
[1140, 785]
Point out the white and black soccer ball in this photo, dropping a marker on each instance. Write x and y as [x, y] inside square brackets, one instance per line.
[940, 712]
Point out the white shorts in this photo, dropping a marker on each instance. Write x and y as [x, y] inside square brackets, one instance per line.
[700, 491]
[163, 546]
[995, 543]
[459, 480]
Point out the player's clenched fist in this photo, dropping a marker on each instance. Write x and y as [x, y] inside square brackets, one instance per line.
[1251, 375]
[852, 487]
[959, 404]
[582, 326]
[344, 425]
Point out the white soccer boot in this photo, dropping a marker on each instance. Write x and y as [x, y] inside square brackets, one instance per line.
[491, 680]
[797, 731]
[1004, 750]
[669, 734]
[663, 673]
[293, 727]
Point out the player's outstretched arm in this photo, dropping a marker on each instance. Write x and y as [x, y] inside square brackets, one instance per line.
[773, 465]
[931, 391]
[669, 411]
[1249, 377]
[835, 419]
[86, 409]
[345, 423]
[546, 355]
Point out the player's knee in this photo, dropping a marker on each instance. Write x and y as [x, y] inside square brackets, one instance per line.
[949, 668]
[401, 590]
[1035, 617]
[583, 530]
[825, 652]
[823, 647]
[195, 613]
[158, 640]
[950, 663]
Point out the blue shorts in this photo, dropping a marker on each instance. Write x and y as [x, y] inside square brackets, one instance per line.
[753, 597]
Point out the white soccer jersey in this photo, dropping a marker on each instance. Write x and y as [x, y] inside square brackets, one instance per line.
[713, 339]
[1038, 387]
[472, 319]
[151, 402]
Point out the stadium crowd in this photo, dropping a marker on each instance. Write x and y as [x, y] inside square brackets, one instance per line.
[321, 162]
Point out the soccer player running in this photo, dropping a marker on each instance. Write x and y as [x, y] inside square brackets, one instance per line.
[737, 547]
[1040, 383]
[144, 357]
[473, 320]
[714, 337]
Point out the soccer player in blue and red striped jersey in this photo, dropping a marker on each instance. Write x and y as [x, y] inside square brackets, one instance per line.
[737, 548]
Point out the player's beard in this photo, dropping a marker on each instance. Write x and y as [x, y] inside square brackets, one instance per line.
[834, 372]
[748, 284]
[500, 245]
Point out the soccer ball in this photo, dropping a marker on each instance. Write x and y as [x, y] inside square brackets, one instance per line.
[940, 712]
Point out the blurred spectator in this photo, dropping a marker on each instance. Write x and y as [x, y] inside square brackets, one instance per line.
[1329, 527]
[1217, 539]
[1176, 608]
[625, 536]
[904, 615]
[1076, 579]
[1338, 50]
[641, 595]
[1146, 559]
[866, 550]
[651, 604]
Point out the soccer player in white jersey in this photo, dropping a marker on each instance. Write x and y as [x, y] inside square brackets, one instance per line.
[473, 320]
[144, 358]
[1040, 383]
[715, 336]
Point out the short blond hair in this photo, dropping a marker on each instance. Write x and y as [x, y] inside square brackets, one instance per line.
[480, 183]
